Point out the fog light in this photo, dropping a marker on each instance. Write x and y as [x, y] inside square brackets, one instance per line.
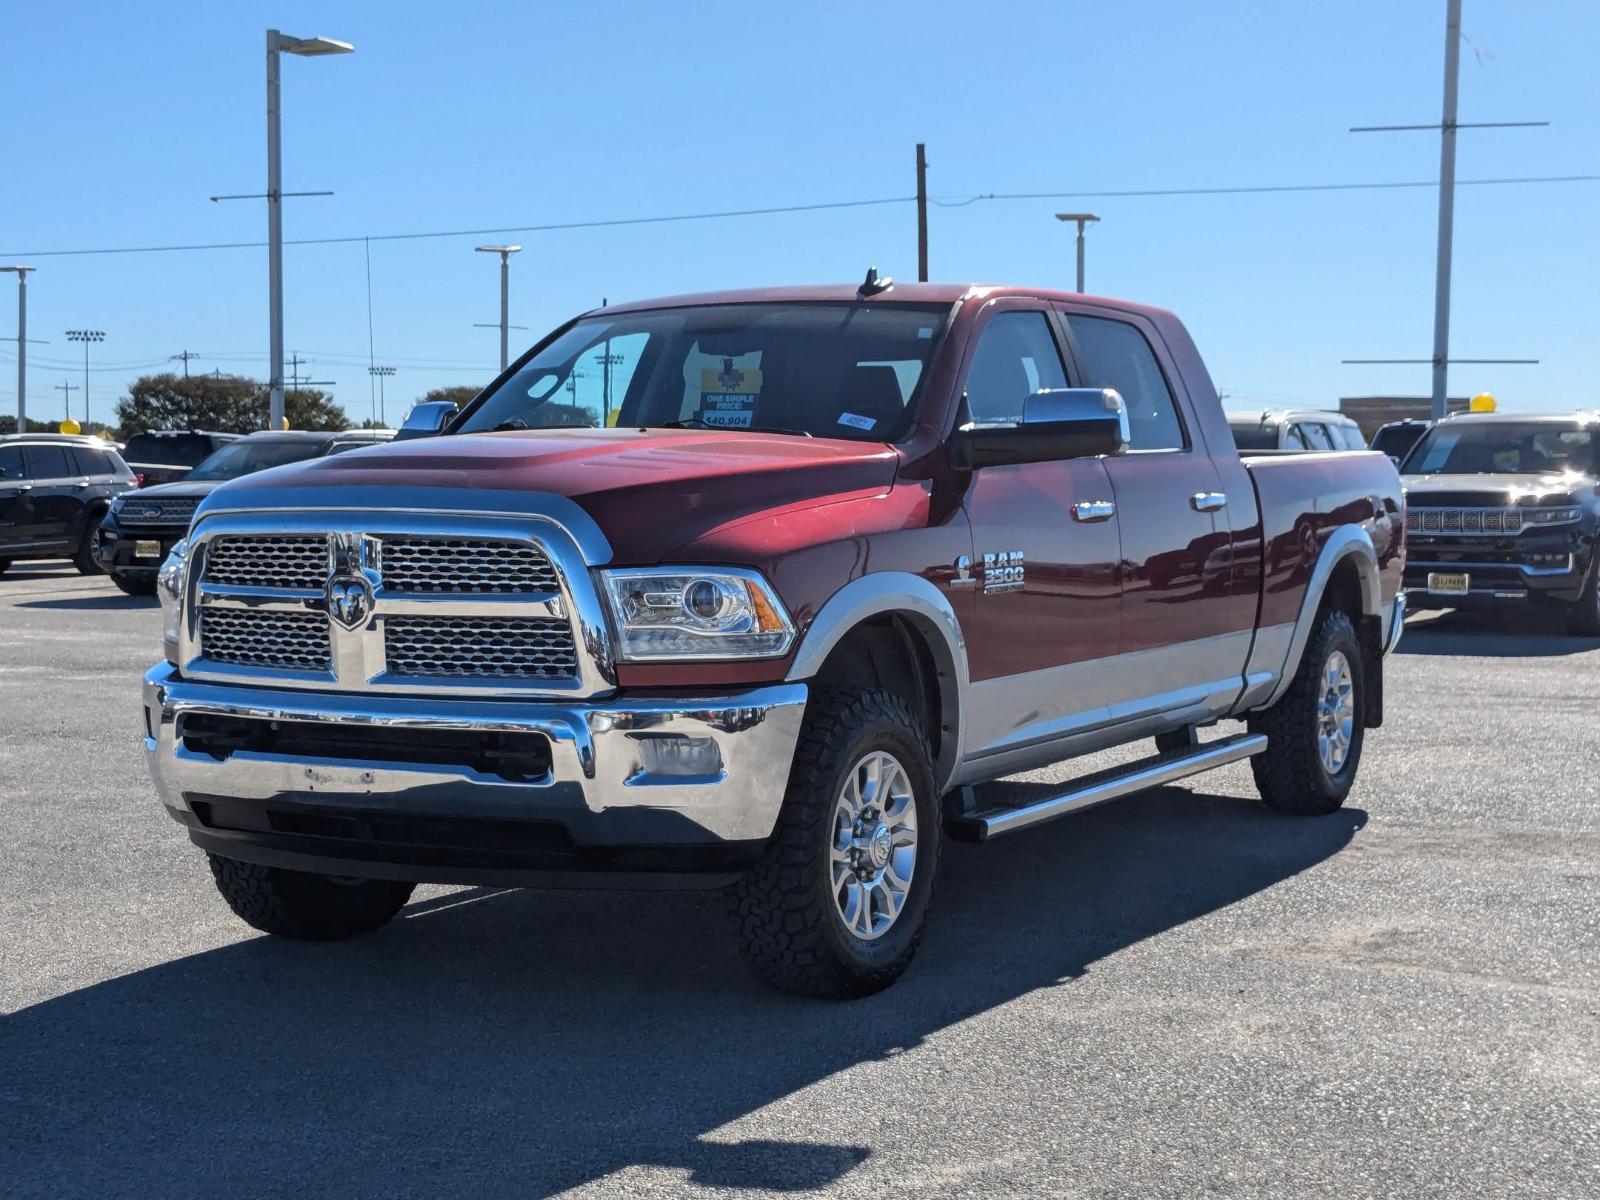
[673, 755]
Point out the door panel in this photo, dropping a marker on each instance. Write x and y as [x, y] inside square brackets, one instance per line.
[1026, 629]
[57, 494]
[16, 510]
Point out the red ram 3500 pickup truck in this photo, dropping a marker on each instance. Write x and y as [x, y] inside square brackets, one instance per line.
[805, 564]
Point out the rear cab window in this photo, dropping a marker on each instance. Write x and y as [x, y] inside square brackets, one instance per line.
[1117, 355]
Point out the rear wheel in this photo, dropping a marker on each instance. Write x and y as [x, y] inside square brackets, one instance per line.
[297, 904]
[84, 559]
[838, 903]
[1314, 731]
[135, 585]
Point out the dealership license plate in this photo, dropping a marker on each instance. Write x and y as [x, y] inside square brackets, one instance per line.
[146, 549]
[1441, 583]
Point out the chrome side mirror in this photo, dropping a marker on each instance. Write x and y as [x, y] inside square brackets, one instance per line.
[1057, 423]
[427, 419]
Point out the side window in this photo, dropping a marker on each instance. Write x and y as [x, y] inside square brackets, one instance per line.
[11, 463]
[1116, 355]
[1296, 439]
[89, 461]
[1016, 356]
[48, 462]
[1317, 436]
[1352, 437]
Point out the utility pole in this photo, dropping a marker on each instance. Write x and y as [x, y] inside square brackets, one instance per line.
[922, 213]
[505, 253]
[1082, 219]
[607, 360]
[22, 345]
[381, 373]
[1447, 127]
[296, 383]
[66, 388]
[185, 356]
[88, 337]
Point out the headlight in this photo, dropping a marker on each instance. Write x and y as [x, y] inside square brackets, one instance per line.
[1552, 516]
[169, 587]
[688, 613]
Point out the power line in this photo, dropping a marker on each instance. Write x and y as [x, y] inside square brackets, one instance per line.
[778, 210]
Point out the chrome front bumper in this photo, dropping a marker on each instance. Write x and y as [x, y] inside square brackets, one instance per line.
[604, 785]
[1395, 622]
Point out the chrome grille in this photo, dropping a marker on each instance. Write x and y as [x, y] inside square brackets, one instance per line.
[271, 562]
[413, 564]
[173, 512]
[480, 647]
[1464, 520]
[289, 641]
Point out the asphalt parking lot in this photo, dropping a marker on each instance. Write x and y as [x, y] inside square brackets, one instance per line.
[1177, 995]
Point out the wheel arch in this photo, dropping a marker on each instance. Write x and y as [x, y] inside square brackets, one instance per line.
[1346, 575]
[890, 622]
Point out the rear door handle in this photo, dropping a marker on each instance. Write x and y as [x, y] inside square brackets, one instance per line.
[1093, 510]
[1208, 501]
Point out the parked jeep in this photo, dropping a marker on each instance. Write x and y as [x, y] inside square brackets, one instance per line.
[843, 556]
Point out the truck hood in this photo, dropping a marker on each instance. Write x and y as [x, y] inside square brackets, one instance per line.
[650, 491]
[1492, 491]
[182, 489]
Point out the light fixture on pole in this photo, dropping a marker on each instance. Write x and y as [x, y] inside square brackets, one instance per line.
[22, 344]
[88, 337]
[381, 373]
[307, 48]
[505, 253]
[1082, 219]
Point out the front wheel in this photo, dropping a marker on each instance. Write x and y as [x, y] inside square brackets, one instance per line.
[84, 559]
[297, 904]
[837, 905]
[1583, 618]
[1314, 731]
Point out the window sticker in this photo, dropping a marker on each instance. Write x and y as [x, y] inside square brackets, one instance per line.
[857, 422]
[728, 396]
[924, 332]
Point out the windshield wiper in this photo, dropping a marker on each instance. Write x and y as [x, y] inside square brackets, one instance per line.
[700, 423]
[514, 423]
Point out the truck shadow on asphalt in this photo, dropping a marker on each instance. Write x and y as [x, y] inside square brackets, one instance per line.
[1457, 633]
[98, 602]
[534, 1041]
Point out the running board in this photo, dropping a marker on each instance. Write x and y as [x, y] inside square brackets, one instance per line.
[1102, 786]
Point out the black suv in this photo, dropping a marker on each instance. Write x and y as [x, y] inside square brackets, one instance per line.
[143, 525]
[168, 455]
[1504, 509]
[54, 492]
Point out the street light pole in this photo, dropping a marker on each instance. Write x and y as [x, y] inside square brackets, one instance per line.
[505, 253]
[87, 337]
[381, 373]
[1447, 208]
[22, 345]
[306, 47]
[1082, 219]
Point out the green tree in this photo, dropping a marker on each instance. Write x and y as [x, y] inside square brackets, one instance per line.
[224, 403]
[8, 424]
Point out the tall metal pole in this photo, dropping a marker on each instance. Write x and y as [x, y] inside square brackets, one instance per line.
[274, 242]
[1080, 256]
[1447, 204]
[22, 349]
[922, 213]
[505, 309]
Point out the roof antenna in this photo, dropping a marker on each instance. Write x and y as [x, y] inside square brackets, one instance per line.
[872, 285]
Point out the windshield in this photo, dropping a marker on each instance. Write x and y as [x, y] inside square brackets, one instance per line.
[246, 457]
[823, 370]
[1252, 435]
[1396, 441]
[1503, 447]
[183, 450]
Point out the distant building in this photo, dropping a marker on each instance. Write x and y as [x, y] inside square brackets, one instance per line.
[1369, 412]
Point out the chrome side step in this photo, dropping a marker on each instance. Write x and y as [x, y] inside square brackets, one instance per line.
[1102, 786]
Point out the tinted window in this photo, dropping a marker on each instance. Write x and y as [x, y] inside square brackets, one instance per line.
[830, 370]
[1016, 356]
[92, 462]
[1316, 435]
[1296, 439]
[1254, 435]
[182, 450]
[11, 462]
[247, 456]
[1116, 355]
[1350, 436]
[48, 462]
[1397, 440]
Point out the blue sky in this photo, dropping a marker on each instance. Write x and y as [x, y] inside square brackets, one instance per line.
[120, 120]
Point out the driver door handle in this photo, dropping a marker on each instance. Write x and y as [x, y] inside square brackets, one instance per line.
[1208, 501]
[1093, 510]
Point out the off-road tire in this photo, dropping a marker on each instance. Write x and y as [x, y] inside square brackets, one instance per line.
[297, 904]
[1583, 618]
[1289, 772]
[135, 585]
[784, 908]
[84, 559]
